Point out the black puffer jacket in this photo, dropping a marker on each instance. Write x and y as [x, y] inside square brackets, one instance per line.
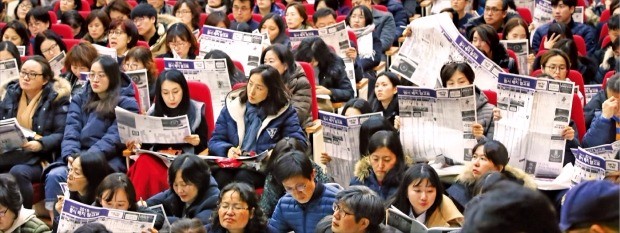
[335, 79]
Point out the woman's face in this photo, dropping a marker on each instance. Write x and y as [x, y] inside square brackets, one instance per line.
[172, 93]
[257, 90]
[119, 200]
[458, 79]
[67, 5]
[382, 161]
[6, 221]
[517, 33]
[33, 82]
[130, 64]
[50, 49]
[180, 46]
[384, 89]
[214, 3]
[11, 35]
[458, 5]
[186, 191]
[271, 29]
[481, 45]
[6, 55]
[76, 181]
[421, 196]
[78, 68]
[76, 29]
[556, 67]
[293, 18]
[99, 80]
[23, 8]
[357, 19]
[481, 164]
[118, 39]
[96, 29]
[233, 212]
[117, 15]
[263, 4]
[274, 61]
[185, 15]
[36, 26]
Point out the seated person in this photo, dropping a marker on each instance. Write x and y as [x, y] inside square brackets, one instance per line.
[49, 45]
[242, 12]
[38, 20]
[274, 26]
[306, 201]
[296, 17]
[180, 43]
[16, 218]
[385, 27]
[356, 209]
[78, 60]
[400, 16]
[152, 27]
[234, 74]
[16, 33]
[611, 61]
[189, 13]
[604, 110]
[463, 14]
[238, 211]
[591, 206]
[496, 14]
[358, 18]
[420, 194]
[264, 7]
[485, 39]
[563, 12]
[122, 36]
[385, 97]
[9, 51]
[98, 23]
[141, 58]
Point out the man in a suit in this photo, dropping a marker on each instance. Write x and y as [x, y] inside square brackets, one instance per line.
[384, 24]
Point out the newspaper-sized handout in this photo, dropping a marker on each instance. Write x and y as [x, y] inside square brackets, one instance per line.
[22, 50]
[578, 14]
[8, 70]
[105, 51]
[12, 135]
[437, 42]
[592, 90]
[364, 41]
[75, 215]
[243, 47]
[405, 223]
[341, 136]
[141, 79]
[594, 162]
[437, 122]
[159, 209]
[65, 188]
[520, 48]
[57, 63]
[542, 12]
[529, 128]
[336, 37]
[150, 129]
[213, 72]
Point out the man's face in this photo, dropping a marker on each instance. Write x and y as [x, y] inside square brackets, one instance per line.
[242, 11]
[494, 12]
[366, 3]
[562, 13]
[144, 24]
[301, 188]
[325, 21]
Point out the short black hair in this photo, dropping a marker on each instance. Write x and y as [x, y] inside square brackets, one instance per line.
[144, 10]
[48, 35]
[448, 69]
[569, 3]
[614, 22]
[364, 203]
[233, 2]
[92, 227]
[40, 14]
[358, 103]
[322, 13]
[365, 11]
[292, 164]
[193, 170]
[10, 197]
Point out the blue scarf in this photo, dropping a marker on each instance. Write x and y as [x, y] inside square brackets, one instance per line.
[254, 117]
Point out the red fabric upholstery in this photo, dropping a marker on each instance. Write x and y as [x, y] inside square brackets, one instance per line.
[239, 66]
[143, 44]
[84, 14]
[2, 24]
[200, 92]
[579, 42]
[607, 76]
[38, 193]
[239, 85]
[148, 176]
[606, 40]
[137, 96]
[159, 63]
[352, 37]
[132, 3]
[578, 117]
[309, 9]
[70, 43]
[525, 14]
[201, 21]
[341, 18]
[310, 75]
[604, 32]
[63, 30]
[53, 17]
[605, 16]
[492, 96]
[380, 7]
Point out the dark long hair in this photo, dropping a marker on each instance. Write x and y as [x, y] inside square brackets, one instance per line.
[105, 107]
[391, 141]
[370, 127]
[113, 182]
[95, 168]
[277, 92]
[194, 171]
[283, 146]
[12, 49]
[219, 54]
[315, 48]
[257, 223]
[47, 35]
[414, 176]
[367, 13]
[21, 30]
[488, 34]
[183, 32]
[285, 56]
[184, 107]
[277, 19]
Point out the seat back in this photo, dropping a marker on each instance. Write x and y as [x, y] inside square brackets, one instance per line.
[492, 96]
[341, 18]
[606, 40]
[202, 20]
[581, 45]
[63, 30]
[159, 63]
[138, 99]
[380, 7]
[239, 66]
[84, 14]
[200, 92]
[309, 9]
[70, 43]
[605, 16]
[143, 44]
[310, 75]
[576, 77]
[604, 32]
[525, 14]
[352, 37]
[607, 76]
[53, 17]
[578, 117]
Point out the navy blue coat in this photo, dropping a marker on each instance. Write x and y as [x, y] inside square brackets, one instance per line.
[200, 208]
[371, 182]
[230, 128]
[588, 33]
[291, 215]
[602, 131]
[400, 16]
[86, 131]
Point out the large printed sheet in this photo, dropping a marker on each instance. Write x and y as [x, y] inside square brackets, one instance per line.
[57, 63]
[240, 46]
[530, 129]
[521, 49]
[75, 215]
[594, 162]
[212, 72]
[437, 122]
[141, 79]
[341, 136]
[8, 70]
[592, 90]
[437, 42]
[150, 129]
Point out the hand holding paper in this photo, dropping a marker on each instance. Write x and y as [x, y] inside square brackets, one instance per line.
[477, 130]
[325, 158]
[234, 152]
[568, 133]
[321, 90]
[193, 139]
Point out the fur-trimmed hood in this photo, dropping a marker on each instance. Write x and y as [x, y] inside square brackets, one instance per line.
[59, 85]
[163, 23]
[362, 167]
[467, 176]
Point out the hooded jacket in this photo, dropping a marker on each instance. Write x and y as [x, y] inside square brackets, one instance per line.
[27, 222]
[301, 94]
[48, 119]
[87, 131]
[200, 208]
[461, 191]
[364, 175]
[602, 131]
[163, 23]
[230, 127]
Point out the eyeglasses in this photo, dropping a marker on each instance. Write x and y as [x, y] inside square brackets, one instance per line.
[130, 66]
[25, 7]
[29, 75]
[3, 213]
[117, 32]
[35, 24]
[556, 68]
[234, 208]
[236, 8]
[49, 50]
[492, 9]
[183, 12]
[340, 210]
[298, 188]
[98, 76]
[178, 44]
[138, 20]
